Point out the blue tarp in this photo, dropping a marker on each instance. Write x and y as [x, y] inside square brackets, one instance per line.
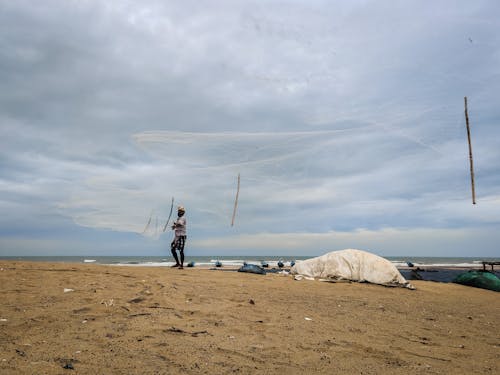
[252, 268]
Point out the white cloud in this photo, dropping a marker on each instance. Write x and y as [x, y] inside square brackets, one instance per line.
[386, 242]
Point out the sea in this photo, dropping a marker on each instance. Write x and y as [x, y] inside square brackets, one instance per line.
[439, 269]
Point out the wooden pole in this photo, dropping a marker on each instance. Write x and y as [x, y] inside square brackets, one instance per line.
[470, 153]
[149, 222]
[236, 200]
[169, 215]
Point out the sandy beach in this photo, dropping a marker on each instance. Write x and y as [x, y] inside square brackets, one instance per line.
[58, 318]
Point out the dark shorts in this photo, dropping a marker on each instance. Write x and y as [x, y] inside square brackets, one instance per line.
[178, 243]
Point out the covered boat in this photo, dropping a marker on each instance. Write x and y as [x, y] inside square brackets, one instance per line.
[351, 265]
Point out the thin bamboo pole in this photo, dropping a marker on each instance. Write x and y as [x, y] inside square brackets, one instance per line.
[169, 215]
[470, 154]
[149, 222]
[236, 200]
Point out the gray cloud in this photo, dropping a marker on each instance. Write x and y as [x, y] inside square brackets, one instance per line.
[338, 117]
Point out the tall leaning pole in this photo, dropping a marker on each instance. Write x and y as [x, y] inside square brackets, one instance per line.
[470, 153]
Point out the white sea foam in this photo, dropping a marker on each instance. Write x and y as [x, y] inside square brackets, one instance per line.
[445, 265]
[399, 262]
[210, 263]
[227, 262]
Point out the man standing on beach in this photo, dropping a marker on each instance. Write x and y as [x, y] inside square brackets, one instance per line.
[179, 240]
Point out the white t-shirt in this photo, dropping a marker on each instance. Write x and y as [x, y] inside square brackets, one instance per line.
[180, 226]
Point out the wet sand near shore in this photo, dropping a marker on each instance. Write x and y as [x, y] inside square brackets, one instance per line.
[58, 318]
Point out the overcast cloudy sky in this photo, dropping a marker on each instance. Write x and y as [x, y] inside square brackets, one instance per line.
[345, 120]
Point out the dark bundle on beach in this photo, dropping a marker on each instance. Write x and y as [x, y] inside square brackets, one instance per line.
[479, 279]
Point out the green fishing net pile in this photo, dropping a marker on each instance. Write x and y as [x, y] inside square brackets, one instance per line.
[479, 279]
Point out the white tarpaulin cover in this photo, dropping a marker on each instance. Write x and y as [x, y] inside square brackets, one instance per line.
[353, 265]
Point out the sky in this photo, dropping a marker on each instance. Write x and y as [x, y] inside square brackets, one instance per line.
[345, 121]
